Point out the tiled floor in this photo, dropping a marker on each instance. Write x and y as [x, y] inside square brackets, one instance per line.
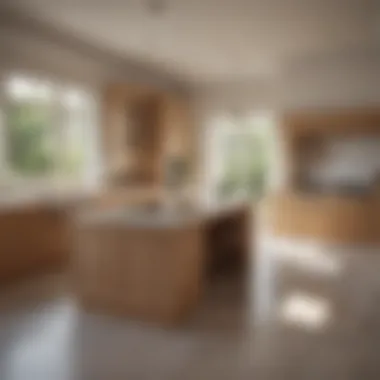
[313, 313]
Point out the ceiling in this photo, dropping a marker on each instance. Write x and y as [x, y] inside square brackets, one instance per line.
[208, 41]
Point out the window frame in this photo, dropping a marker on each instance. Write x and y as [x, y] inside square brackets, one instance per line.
[54, 182]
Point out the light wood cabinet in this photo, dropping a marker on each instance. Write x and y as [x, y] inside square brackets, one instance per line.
[306, 212]
[326, 219]
[142, 128]
[33, 239]
[146, 269]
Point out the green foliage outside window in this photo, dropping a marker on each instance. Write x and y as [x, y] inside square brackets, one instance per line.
[245, 165]
[32, 144]
[30, 149]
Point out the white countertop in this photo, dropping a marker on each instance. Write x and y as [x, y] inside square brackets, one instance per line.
[161, 217]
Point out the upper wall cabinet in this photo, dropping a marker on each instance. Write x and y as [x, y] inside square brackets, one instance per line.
[142, 130]
[176, 123]
[326, 145]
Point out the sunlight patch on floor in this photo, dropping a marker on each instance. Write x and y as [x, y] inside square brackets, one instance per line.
[305, 311]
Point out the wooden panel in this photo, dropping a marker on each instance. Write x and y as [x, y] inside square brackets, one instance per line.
[331, 121]
[143, 144]
[32, 239]
[166, 132]
[175, 123]
[130, 135]
[327, 219]
[155, 125]
[151, 274]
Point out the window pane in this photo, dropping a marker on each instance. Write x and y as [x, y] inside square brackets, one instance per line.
[47, 134]
[29, 139]
[22, 89]
[244, 158]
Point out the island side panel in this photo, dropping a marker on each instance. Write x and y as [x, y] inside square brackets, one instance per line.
[146, 273]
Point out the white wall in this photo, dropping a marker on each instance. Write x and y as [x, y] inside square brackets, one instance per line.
[29, 45]
[349, 80]
[335, 78]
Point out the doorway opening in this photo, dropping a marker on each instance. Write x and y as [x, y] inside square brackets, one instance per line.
[239, 156]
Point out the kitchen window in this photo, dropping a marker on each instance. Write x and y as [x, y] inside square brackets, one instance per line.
[48, 135]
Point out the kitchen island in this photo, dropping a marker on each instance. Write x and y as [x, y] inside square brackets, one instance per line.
[154, 264]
